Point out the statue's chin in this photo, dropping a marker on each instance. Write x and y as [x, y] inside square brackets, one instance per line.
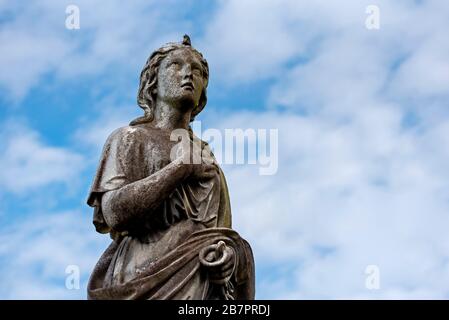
[186, 102]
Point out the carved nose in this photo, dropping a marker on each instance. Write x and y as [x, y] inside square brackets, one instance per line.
[187, 72]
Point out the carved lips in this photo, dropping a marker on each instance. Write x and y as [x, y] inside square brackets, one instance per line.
[188, 85]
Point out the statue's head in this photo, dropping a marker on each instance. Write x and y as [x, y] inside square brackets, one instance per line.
[176, 73]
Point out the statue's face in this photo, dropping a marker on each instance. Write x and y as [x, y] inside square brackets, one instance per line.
[180, 78]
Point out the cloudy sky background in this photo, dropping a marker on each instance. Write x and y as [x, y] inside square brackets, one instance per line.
[363, 120]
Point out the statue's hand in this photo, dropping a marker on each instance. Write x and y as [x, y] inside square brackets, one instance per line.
[223, 273]
[219, 259]
[203, 171]
[198, 161]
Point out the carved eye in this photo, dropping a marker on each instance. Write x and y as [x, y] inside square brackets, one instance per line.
[197, 71]
[174, 64]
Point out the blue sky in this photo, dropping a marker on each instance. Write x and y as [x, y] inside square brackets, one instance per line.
[363, 136]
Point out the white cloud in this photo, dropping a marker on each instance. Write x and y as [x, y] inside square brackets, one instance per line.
[36, 251]
[344, 198]
[255, 40]
[357, 184]
[94, 131]
[250, 39]
[35, 41]
[27, 58]
[426, 72]
[29, 163]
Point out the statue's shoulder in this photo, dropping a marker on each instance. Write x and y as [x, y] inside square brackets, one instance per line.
[129, 134]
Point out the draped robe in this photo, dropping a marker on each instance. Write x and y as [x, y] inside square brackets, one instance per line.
[157, 256]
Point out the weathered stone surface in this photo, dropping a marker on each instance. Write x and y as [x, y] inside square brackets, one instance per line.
[169, 216]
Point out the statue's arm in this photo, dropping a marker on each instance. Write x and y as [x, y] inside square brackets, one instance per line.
[138, 198]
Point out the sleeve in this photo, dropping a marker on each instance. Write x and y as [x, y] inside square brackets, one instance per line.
[111, 175]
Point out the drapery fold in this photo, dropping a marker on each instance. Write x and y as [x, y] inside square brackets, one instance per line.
[159, 259]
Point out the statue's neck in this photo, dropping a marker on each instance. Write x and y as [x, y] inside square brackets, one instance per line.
[170, 117]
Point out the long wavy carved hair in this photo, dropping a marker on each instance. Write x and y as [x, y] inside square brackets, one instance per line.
[147, 94]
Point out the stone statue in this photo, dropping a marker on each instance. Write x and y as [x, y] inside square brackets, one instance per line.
[169, 216]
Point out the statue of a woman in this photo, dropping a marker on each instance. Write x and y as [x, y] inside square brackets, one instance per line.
[170, 219]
